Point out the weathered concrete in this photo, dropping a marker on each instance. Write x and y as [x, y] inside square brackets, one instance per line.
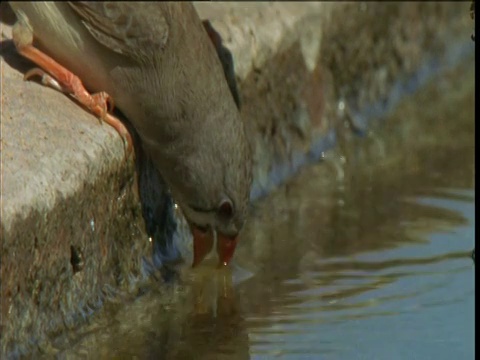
[72, 226]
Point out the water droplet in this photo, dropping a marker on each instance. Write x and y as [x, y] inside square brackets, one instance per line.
[341, 108]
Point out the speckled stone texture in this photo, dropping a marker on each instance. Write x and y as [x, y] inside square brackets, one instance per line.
[73, 230]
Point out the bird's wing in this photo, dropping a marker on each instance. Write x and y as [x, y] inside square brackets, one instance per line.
[131, 29]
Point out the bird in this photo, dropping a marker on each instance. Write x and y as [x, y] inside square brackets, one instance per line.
[153, 61]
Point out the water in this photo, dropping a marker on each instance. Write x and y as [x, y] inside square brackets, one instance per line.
[412, 301]
[363, 256]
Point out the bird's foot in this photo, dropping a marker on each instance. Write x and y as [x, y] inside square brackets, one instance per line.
[58, 77]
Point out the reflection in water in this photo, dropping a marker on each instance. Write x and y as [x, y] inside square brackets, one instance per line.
[373, 264]
[334, 304]
[413, 260]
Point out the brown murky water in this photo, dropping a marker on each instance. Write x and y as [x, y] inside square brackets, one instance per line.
[364, 256]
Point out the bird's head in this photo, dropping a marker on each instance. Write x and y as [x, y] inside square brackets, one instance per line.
[212, 190]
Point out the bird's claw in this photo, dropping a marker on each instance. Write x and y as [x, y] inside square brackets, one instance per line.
[46, 79]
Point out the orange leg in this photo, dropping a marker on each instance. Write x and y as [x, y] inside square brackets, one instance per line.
[58, 77]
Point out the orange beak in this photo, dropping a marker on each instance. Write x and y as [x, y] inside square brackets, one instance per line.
[202, 244]
[225, 248]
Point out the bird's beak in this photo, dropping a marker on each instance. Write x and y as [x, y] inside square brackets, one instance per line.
[225, 248]
[202, 244]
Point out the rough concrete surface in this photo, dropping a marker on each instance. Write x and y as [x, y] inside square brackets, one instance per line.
[71, 225]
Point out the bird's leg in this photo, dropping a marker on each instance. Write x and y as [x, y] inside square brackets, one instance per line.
[60, 78]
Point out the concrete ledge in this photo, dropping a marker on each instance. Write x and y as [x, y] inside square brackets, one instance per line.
[72, 226]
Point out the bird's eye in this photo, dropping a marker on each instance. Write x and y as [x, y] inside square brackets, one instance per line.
[226, 208]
